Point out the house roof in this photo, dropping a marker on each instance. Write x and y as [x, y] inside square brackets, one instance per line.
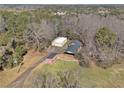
[60, 39]
[73, 47]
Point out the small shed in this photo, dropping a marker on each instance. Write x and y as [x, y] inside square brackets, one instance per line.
[73, 47]
[59, 42]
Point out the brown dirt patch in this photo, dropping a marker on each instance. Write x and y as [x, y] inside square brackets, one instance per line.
[66, 57]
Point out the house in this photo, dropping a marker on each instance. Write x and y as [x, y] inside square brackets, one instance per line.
[60, 13]
[74, 47]
[103, 11]
[59, 42]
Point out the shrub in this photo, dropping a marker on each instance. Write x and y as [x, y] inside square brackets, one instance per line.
[6, 58]
[19, 53]
[83, 58]
[104, 62]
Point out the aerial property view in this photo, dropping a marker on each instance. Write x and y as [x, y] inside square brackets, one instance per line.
[61, 46]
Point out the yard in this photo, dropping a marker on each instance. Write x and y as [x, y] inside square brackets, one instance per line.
[88, 77]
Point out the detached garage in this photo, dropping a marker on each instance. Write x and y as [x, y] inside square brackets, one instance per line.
[59, 41]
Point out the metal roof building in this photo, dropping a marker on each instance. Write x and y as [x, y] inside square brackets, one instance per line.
[59, 41]
[73, 47]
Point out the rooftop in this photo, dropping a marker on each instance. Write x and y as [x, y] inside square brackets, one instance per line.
[60, 39]
[73, 47]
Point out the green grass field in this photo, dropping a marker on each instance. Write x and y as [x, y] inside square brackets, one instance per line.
[89, 77]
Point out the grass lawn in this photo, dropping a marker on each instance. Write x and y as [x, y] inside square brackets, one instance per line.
[88, 77]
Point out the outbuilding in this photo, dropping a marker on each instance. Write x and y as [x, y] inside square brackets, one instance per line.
[59, 42]
[73, 47]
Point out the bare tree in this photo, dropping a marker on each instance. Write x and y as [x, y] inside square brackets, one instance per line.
[37, 36]
[64, 79]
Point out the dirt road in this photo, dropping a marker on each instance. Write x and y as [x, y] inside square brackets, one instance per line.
[18, 83]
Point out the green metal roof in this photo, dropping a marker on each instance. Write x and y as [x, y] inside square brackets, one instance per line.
[73, 47]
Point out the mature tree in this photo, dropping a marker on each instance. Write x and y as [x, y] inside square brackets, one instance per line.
[105, 43]
[105, 37]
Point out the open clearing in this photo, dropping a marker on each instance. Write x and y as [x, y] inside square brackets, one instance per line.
[7, 76]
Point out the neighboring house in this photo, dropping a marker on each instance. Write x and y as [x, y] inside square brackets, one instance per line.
[60, 13]
[59, 42]
[103, 11]
[74, 47]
